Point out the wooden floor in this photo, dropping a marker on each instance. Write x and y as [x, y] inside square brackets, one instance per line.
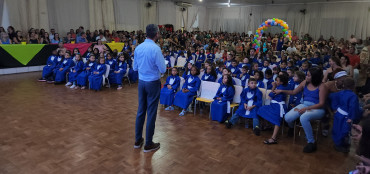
[52, 129]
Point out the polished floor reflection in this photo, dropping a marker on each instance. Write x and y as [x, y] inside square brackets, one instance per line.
[52, 129]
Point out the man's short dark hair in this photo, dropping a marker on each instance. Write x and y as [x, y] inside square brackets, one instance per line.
[151, 31]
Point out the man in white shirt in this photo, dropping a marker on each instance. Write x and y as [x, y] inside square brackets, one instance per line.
[291, 49]
[101, 37]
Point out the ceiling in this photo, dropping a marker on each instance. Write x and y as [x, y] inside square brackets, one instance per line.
[215, 3]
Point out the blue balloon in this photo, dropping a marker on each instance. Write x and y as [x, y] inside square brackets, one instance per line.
[273, 23]
[286, 32]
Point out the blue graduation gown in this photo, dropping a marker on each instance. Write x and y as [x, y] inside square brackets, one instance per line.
[60, 76]
[200, 60]
[168, 95]
[227, 63]
[132, 75]
[168, 58]
[268, 82]
[211, 57]
[263, 68]
[96, 80]
[241, 65]
[72, 76]
[272, 112]
[186, 74]
[219, 108]
[51, 63]
[346, 104]
[247, 95]
[260, 84]
[118, 77]
[183, 100]
[83, 76]
[244, 79]
[234, 70]
[208, 77]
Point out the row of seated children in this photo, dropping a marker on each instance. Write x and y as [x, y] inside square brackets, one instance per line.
[80, 73]
[251, 102]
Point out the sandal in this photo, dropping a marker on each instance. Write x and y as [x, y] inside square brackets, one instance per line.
[274, 141]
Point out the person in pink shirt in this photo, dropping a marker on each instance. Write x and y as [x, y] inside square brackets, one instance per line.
[100, 46]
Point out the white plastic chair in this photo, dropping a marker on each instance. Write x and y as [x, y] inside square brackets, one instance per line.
[181, 62]
[237, 81]
[201, 75]
[182, 81]
[208, 91]
[263, 91]
[236, 99]
[268, 98]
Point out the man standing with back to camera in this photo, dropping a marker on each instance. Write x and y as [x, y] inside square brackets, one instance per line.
[149, 62]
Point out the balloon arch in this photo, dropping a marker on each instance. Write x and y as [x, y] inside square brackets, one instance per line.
[269, 23]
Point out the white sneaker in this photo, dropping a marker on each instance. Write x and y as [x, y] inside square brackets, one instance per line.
[69, 84]
[73, 86]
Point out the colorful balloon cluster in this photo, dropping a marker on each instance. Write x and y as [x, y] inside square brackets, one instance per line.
[262, 28]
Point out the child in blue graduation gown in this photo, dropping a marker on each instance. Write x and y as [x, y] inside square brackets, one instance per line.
[112, 64]
[120, 69]
[220, 107]
[295, 100]
[184, 97]
[276, 110]
[96, 78]
[201, 59]
[266, 66]
[226, 71]
[169, 89]
[291, 73]
[244, 76]
[268, 79]
[62, 69]
[234, 68]
[77, 69]
[254, 68]
[251, 101]
[187, 71]
[346, 105]
[132, 75]
[51, 63]
[244, 63]
[210, 74]
[258, 75]
[83, 76]
[283, 66]
[211, 57]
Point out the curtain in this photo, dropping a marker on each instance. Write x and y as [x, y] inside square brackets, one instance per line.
[101, 15]
[24, 14]
[1, 12]
[166, 13]
[68, 14]
[148, 14]
[127, 15]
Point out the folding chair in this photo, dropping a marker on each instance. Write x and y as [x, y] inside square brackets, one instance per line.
[182, 81]
[263, 91]
[208, 91]
[181, 62]
[267, 97]
[201, 75]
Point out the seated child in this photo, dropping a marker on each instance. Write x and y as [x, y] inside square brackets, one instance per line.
[169, 89]
[244, 63]
[258, 75]
[295, 100]
[184, 97]
[220, 107]
[244, 76]
[210, 74]
[51, 64]
[347, 111]
[234, 68]
[96, 78]
[225, 71]
[63, 68]
[77, 69]
[187, 71]
[83, 76]
[251, 100]
[268, 79]
[120, 69]
[275, 112]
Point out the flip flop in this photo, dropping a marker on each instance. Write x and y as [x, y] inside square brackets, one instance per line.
[269, 143]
